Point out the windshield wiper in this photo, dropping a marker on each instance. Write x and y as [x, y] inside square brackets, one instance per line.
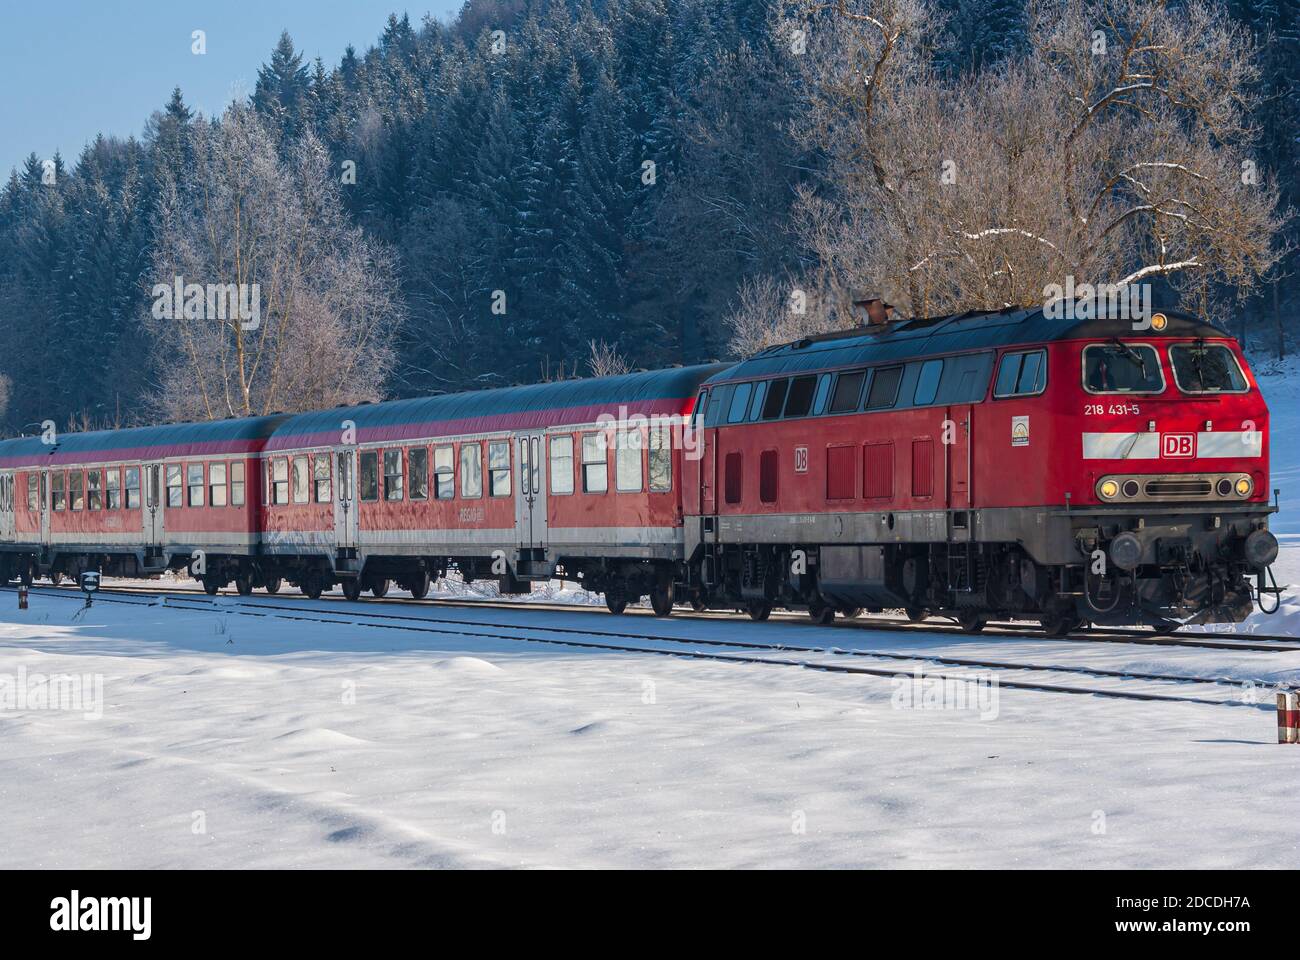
[1131, 354]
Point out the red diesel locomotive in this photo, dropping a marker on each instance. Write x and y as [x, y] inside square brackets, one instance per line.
[978, 466]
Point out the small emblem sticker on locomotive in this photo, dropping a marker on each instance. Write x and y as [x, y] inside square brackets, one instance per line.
[1177, 445]
[1020, 431]
[800, 459]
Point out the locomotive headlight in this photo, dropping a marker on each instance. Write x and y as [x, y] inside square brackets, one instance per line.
[1109, 489]
[1244, 486]
[1159, 321]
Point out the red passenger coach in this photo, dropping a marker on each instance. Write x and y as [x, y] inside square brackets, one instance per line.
[133, 502]
[988, 464]
[578, 478]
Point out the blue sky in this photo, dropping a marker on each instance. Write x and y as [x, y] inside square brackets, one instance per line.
[71, 70]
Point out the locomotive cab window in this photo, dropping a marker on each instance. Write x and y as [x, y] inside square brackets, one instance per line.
[739, 402]
[1206, 368]
[1119, 367]
[848, 391]
[1021, 374]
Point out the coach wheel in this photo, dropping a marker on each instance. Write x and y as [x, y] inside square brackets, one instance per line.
[379, 587]
[661, 599]
[758, 610]
[1061, 626]
[244, 584]
[211, 586]
[851, 613]
[352, 588]
[56, 577]
[698, 605]
[420, 585]
[313, 585]
[972, 622]
[273, 585]
[822, 613]
[915, 614]
[615, 603]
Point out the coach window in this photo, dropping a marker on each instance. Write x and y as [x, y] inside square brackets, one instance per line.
[661, 458]
[595, 464]
[471, 470]
[739, 402]
[321, 478]
[848, 391]
[76, 490]
[94, 490]
[799, 401]
[56, 491]
[392, 474]
[237, 484]
[113, 488]
[194, 481]
[133, 488]
[884, 388]
[1121, 368]
[499, 469]
[775, 400]
[369, 475]
[927, 384]
[444, 472]
[175, 485]
[279, 480]
[627, 462]
[33, 493]
[1021, 374]
[561, 464]
[217, 489]
[417, 470]
[301, 484]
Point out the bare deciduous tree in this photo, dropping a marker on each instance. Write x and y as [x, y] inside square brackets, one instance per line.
[604, 360]
[1117, 151]
[327, 303]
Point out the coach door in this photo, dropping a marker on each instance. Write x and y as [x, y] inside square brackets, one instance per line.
[959, 427]
[345, 501]
[153, 504]
[6, 506]
[45, 506]
[530, 497]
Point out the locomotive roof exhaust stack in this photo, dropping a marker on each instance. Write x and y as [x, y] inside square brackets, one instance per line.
[871, 309]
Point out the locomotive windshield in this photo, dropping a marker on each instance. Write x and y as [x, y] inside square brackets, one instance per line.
[1206, 368]
[1120, 367]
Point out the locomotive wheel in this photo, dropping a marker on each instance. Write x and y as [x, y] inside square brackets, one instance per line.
[821, 613]
[972, 622]
[352, 588]
[379, 587]
[661, 600]
[851, 613]
[915, 614]
[273, 585]
[244, 584]
[420, 585]
[614, 603]
[210, 586]
[758, 610]
[312, 585]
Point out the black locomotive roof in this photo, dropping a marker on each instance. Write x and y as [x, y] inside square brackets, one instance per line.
[936, 336]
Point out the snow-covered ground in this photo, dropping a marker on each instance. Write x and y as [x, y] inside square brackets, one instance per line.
[228, 741]
[209, 738]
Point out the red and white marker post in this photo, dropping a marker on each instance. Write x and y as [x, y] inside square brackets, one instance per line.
[22, 596]
[1288, 718]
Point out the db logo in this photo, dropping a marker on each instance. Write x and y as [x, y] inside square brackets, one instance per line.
[1178, 445]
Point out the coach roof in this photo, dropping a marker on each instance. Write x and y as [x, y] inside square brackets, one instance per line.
[206, 438]
[534, 406]
[937, 336]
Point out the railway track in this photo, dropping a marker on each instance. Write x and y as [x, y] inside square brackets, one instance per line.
[687, 647]
[1273, 643]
